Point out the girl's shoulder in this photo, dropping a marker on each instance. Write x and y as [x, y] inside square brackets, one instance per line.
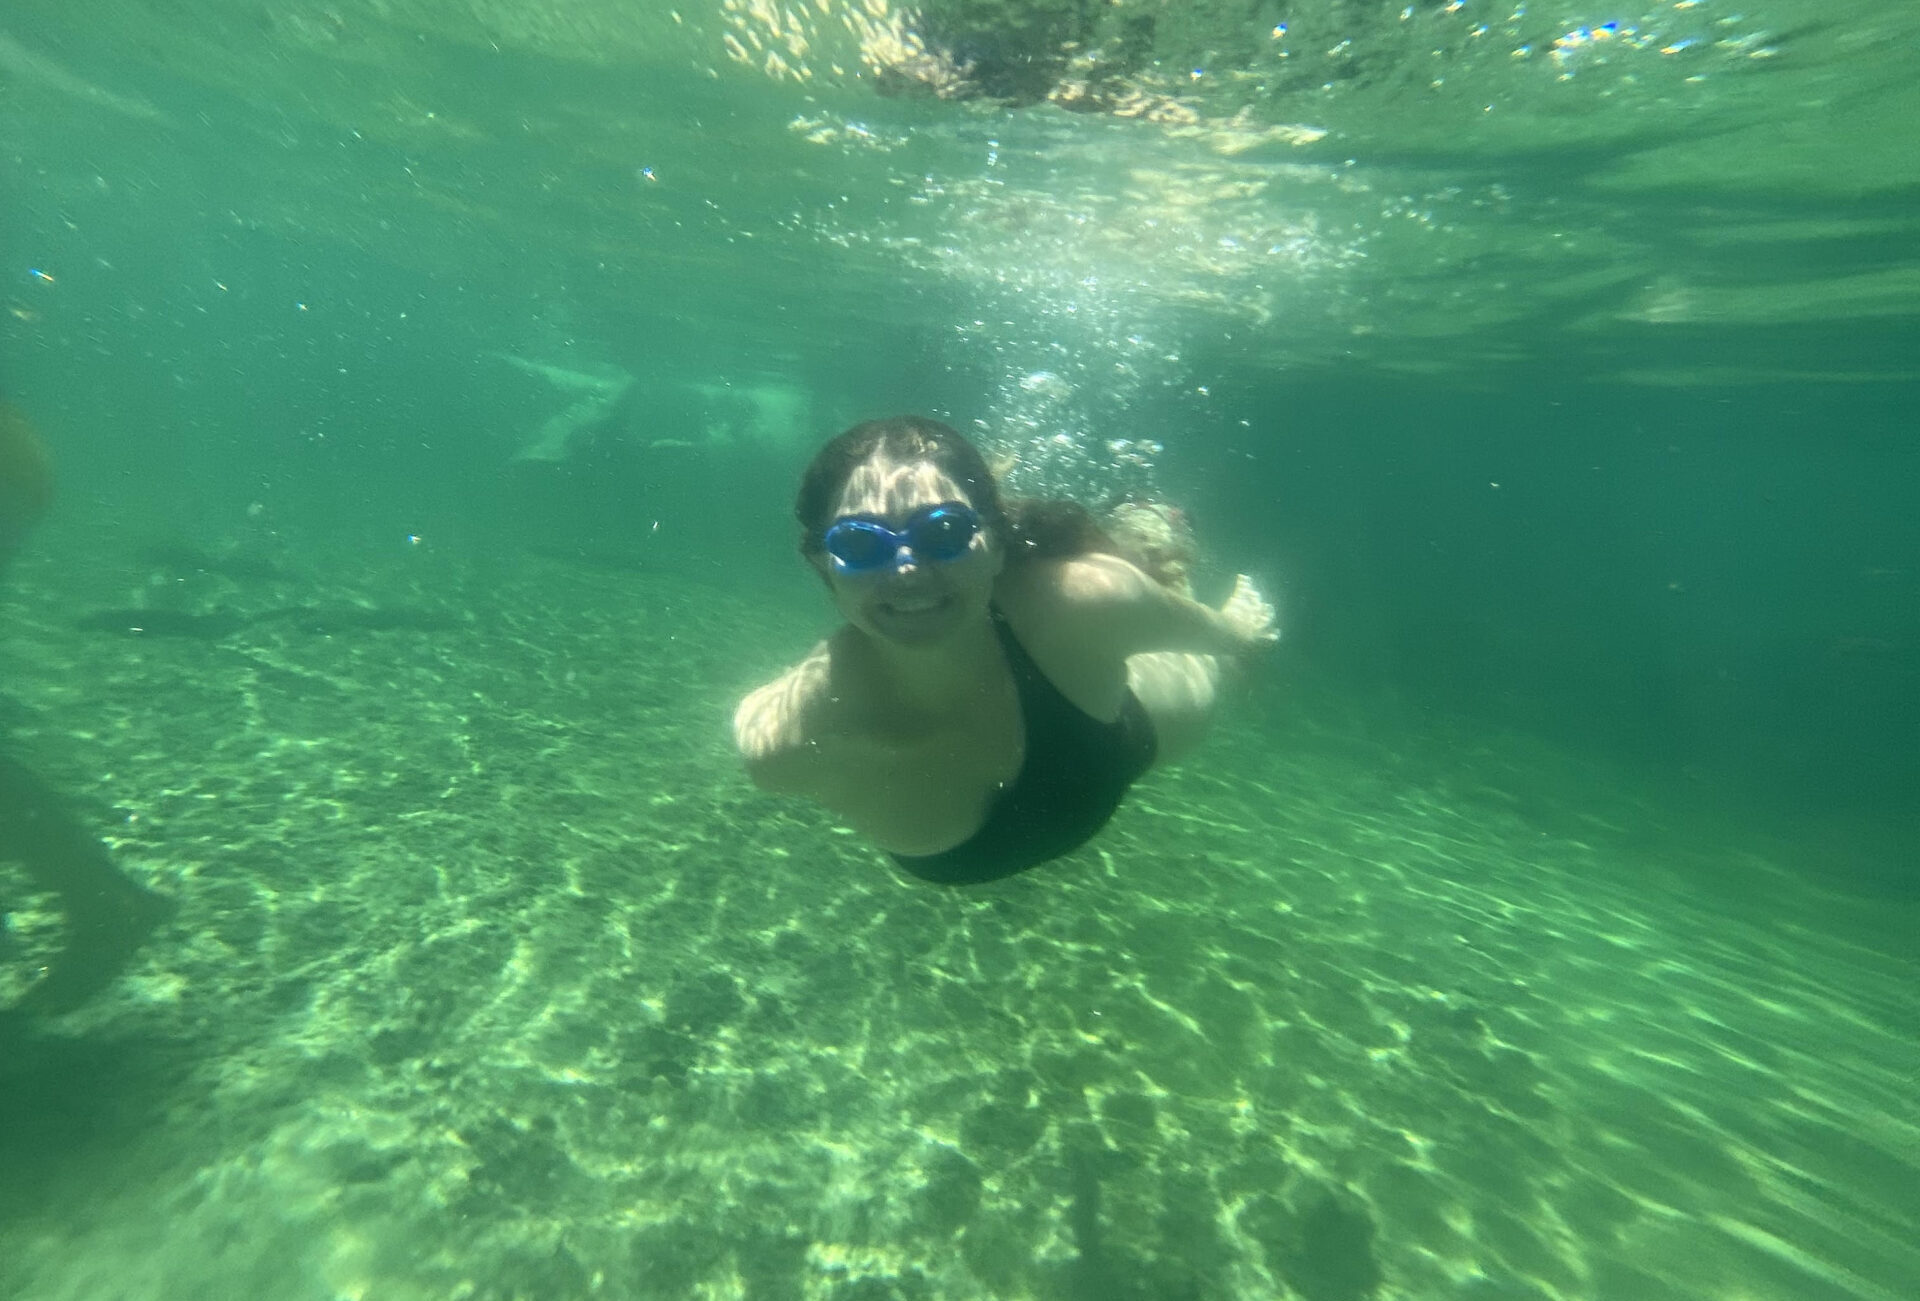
[1069, 614]
[1069, 586]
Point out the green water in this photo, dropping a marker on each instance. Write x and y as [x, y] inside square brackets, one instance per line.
[1539, 923]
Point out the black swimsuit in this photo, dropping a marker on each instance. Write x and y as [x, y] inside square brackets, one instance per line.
[1076, 771]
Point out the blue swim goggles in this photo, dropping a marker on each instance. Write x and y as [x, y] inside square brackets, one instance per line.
[940, 533]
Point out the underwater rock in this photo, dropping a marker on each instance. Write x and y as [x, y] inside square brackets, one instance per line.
[614, 414]
[1330, 1256]
[216, 626]
[184, 558]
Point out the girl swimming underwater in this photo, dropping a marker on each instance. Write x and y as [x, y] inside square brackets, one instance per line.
[1001, 679]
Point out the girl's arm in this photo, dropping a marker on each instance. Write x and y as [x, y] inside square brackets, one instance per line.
[770, 728]
[1125, 610]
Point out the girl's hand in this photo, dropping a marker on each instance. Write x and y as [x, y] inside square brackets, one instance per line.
[1250, 615]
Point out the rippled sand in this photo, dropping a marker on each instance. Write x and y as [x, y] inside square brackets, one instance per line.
[491, 978]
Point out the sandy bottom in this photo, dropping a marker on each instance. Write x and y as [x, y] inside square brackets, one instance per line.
[489, 977]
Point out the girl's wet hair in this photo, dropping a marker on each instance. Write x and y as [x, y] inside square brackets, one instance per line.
[1030, 529]
[903, 440]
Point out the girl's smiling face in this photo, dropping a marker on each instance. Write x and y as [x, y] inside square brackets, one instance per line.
[911, 601]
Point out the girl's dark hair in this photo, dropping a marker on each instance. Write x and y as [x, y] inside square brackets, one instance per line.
[1030, 528]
